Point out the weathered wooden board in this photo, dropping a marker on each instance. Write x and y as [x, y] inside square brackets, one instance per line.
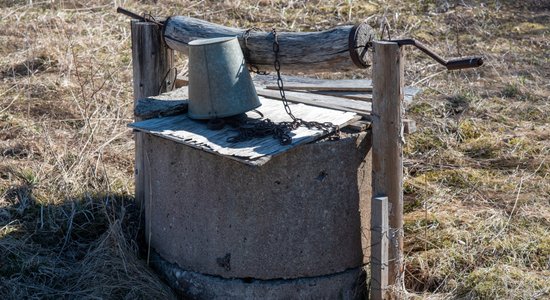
[359, 107]
[356, 89]
[359, 102]
[367, 96]
[271, 79]
[345, 85]
[363, 96]
[167, 104]
[253, 152]
[175, 102]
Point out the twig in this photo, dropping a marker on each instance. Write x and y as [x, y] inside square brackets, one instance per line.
[427, 78]
[41, 216]
[9, 105]
[70, 229]
[512, 212]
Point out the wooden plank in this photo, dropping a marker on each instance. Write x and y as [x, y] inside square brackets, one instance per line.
[361, 108]
[270, 79]
[152, 69]
[379, 248]
[167, 104]
[387, 145]
[258, 151]
[337, 86]
[360, 125]
[363, 96]
[366, 96]
[341, 48]
[356, 89]
[346, 85]
[175, 102]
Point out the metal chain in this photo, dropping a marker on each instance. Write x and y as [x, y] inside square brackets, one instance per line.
[262, 128]
[280, 84]
[251, 67]
[281, 131]
[326, 127]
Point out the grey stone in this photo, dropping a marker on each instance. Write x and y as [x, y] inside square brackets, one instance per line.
[303, 214]
[349, 284]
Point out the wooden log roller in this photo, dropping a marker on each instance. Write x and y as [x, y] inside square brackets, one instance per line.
[341, 48]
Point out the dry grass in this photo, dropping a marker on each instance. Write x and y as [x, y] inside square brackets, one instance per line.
[478, 224]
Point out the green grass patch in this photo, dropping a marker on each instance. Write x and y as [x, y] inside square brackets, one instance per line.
[425, 140]
[486, 147]
[468, 130]
[505, 282]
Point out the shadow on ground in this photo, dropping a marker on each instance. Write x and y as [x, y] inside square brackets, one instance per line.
[82, 248]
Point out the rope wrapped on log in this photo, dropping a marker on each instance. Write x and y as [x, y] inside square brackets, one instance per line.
[339, 49]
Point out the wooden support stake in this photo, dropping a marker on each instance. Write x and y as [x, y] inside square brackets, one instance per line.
[387, 146]
[153, 74]
[379, 248]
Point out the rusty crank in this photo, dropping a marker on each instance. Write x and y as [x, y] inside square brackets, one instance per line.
[452, 64]
[143, 18]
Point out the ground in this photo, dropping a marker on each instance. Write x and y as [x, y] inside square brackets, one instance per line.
[477, 184]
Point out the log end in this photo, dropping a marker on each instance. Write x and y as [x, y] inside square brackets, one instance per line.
[360, 37]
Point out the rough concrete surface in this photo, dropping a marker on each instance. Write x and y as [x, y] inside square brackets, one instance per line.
[346, 285]
[297, 216]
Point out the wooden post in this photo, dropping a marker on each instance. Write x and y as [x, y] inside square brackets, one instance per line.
[153, 74]
[379, 248]
[387, 146]
[152, 61]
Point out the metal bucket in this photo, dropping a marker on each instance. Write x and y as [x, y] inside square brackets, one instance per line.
[219, 82]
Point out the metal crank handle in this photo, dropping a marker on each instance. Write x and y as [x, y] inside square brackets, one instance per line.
[464, 63]
[133, 15]
[452, 64]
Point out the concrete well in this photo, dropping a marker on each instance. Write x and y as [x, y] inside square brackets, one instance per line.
[298, 221]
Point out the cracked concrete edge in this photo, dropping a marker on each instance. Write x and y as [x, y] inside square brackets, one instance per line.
[347, 285]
